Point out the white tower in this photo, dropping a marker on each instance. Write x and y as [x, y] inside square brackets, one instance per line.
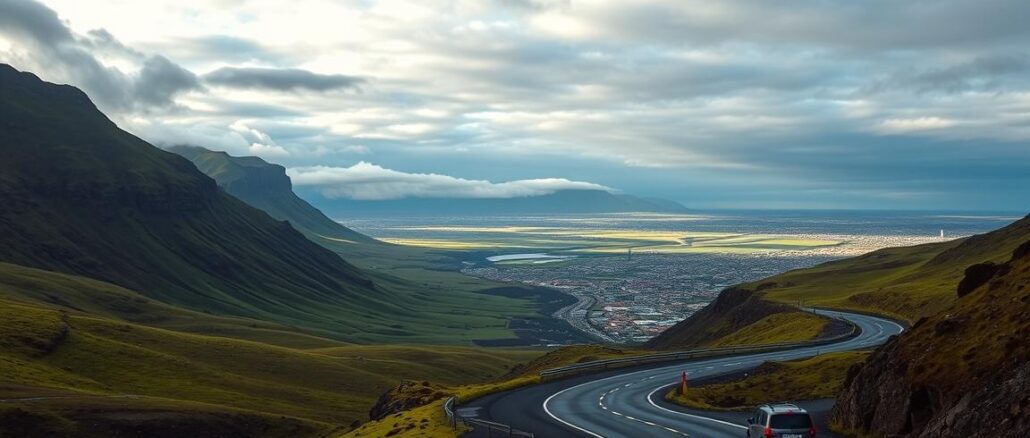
[942, 234]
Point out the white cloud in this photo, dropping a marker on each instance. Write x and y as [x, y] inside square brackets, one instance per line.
[896, 126]
[267, 150]
[366, 181]
[737, 90]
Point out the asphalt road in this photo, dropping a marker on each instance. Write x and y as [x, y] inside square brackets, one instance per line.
[628, 402]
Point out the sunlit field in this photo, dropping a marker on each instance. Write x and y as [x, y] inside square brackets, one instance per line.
[662, 234]
[609, 241]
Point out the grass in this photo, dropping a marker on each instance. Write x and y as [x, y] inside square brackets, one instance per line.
[66, 336]
[428, 421]
[775, 328]
[85, 198]
[905, 283]
[813, 378]
[43, 350]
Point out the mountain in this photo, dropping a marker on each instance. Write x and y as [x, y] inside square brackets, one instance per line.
[963, 368]
[560, 202]
[84, 358]
[906, 283]
[963, 372]
[267, 187]
[84, 197]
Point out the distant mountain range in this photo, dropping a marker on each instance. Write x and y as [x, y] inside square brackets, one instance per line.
[560, 202]
[267, 187]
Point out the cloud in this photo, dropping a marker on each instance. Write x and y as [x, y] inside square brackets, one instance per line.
[366, 181]
[55, 52]
[915, 124]
[730, 103]
[287, 79]
[358, 149]
[160, 79]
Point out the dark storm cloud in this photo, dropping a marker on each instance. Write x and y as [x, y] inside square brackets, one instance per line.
[983, 73]
[287, 79]
[160, 79]
[57, 51]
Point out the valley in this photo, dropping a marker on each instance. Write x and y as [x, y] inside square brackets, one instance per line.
[636, 275]
[252, 219]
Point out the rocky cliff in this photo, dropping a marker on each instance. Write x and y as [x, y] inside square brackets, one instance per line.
[266, 186]
[964, 372]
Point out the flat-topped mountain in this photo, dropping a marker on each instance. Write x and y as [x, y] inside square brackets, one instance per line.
[559, 202]
[266, 186]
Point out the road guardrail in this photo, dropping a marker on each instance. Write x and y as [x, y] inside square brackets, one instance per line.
[622, 362]
[502, 430]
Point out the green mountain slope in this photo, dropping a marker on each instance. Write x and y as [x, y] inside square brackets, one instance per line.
[267, 187]
[906, 283]
[96, 365]
[86, 198]
[445, 296]
[963, 372]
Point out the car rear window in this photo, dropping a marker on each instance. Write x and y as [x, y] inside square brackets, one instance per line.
[790, 421]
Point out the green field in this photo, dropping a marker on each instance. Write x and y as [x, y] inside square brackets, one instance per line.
[603, 241]
[95, 348]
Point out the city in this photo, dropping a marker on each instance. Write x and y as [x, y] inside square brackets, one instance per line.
[632, 298]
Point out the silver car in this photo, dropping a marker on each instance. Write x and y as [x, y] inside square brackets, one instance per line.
[780, 420]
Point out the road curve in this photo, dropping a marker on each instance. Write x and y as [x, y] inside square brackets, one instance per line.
[627, 403]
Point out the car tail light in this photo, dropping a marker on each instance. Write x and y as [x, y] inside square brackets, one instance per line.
[768, 432]
[811, 431]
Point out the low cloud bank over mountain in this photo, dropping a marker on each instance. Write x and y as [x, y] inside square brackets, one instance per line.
[367, 181]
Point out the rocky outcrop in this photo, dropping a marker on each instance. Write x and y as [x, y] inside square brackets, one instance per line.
[962, 373]
[407, 395]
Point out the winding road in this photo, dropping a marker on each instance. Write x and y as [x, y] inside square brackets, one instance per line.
[628, 402]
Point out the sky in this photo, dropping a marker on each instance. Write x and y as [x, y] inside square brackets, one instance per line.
[867, 104]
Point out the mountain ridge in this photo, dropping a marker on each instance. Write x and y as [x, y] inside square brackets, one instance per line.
[559, 202]
[86, 198]
[267, 187]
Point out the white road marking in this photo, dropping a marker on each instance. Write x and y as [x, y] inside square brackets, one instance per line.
[548, 411]
[651, 401]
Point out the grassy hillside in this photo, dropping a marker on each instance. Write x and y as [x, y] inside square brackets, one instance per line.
[267, 187]
[458, 300]
[83, 197]
[740, 316]
[906, 283]
[420, 405]
[805, 379]
[108, 365]
[961, 372]
[775, 328]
